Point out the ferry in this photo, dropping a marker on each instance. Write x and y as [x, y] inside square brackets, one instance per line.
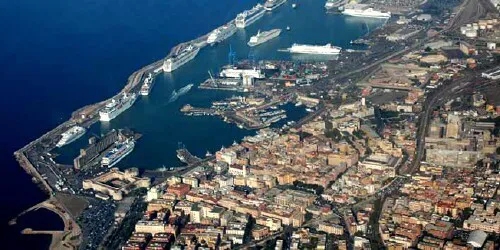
[327, 49]
[363, 10]
[270, 5]
[70, 136]
[184, 56]
[116, 107]
[116, 154]
[248, 17]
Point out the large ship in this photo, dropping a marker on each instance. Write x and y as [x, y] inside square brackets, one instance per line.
[327, 49]
[147, 85]
[116, 154]
[361, 10]
[263, 37]
[70, 136]
[332, 4]
[116, 107]
[273, 4]
[249, 16]
[222, 33]
[184, 56]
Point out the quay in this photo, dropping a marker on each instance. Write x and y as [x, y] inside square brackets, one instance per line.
[186, 157]
[68, 238]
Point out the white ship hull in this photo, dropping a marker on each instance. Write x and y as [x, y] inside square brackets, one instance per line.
[70, 136]
[221, 34]
[315, 49]
[273, 4]
[172, 64]
[108, 115]
[245, 22]
[263, 37]
[111, 162]
[366, 13]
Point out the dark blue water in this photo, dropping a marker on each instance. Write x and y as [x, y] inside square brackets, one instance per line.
[57, 56]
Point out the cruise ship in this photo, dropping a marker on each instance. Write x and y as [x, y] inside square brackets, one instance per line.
[249, 16]
[116, 107]
[70, 136]
[263, 37]
[222, 33]
[361, 10]
[331, 4]
[116, 154]
[273, 4]
[147, 85]
[184, 56]
[315, 49]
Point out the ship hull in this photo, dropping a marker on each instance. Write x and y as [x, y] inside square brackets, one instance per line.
[108, 116]
[250, 20]
[170, 64]
[263, 40]
[71, 139]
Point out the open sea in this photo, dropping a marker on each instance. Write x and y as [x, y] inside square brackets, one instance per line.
[58, 55]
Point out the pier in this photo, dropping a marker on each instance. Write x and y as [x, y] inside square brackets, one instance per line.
[69, 238]
[186, 157]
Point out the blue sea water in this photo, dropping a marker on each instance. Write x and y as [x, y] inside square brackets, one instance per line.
[58, 55]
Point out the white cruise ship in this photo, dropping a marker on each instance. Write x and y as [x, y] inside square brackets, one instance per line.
[147, 85]
[315, 49]
[116, 107]
[362, 10]
[184, 56]
[263, 37]
[330, 4]
[220, 34]
[116, 154]
[273, 4]
[249, 16]
[70, 136]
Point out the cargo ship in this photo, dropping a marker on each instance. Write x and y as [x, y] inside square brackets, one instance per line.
[222, 33]
[181, 58]
[270, 5]
[147, 85]
[249, 16]
[70, 136]
[327, 49]
[116, 107]
[263, 37]
[362, 10]
[119, 152]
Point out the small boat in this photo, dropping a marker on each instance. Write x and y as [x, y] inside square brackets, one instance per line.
[294, 5]
[288, 28]
[208, 154]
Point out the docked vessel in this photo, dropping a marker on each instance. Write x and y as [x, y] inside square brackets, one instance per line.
[249, 16]
[315, 49]
[361, 10]
[263, 37]
[184, 56]
[273, 4]
[70, 136]
[119, 152]
[116, 107]
[332, 4]
[220, 34]
[147, 85]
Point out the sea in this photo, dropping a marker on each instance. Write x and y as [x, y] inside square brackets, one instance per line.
[57, 56]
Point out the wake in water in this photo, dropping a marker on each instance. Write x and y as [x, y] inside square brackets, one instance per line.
[176, 94]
